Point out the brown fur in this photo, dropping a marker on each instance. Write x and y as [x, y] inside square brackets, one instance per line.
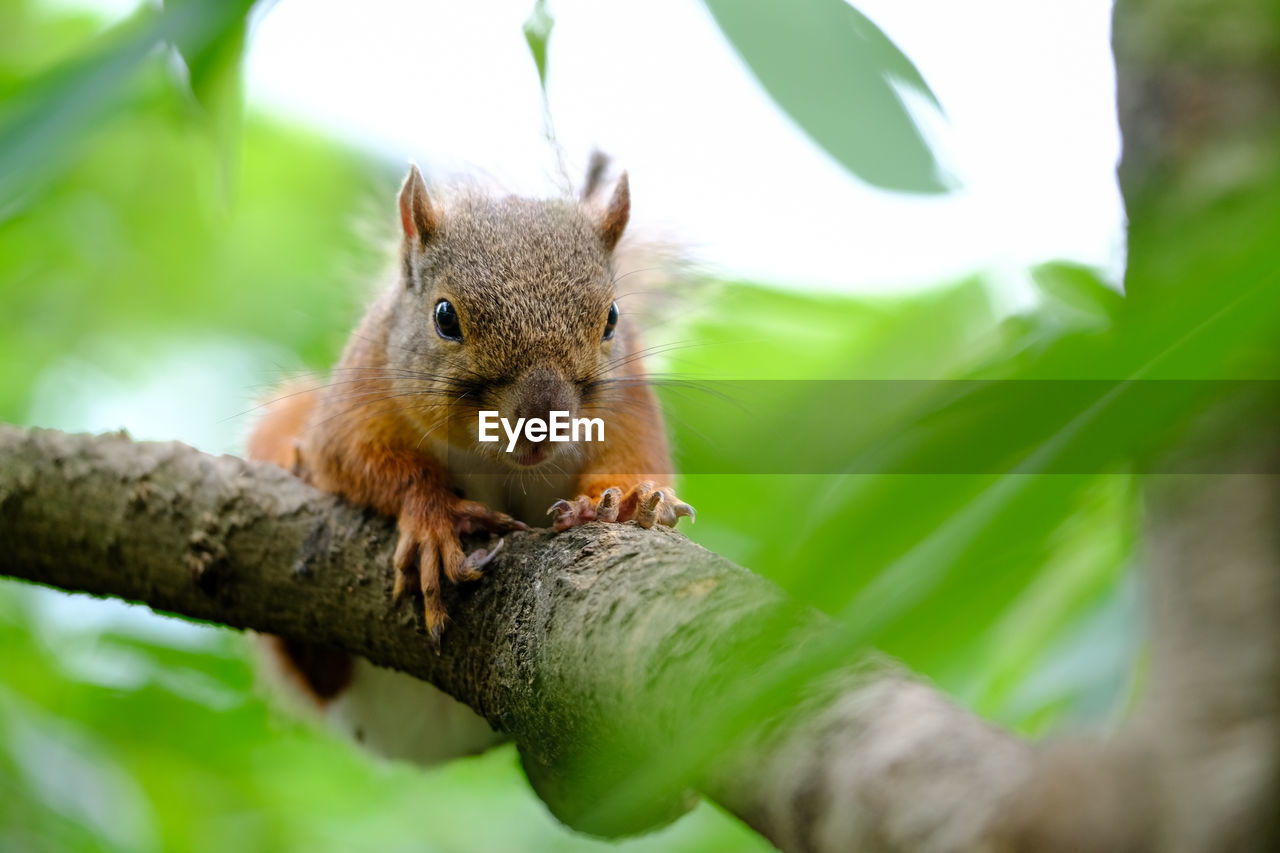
[275, 439]
[321, 671]
[532, 284]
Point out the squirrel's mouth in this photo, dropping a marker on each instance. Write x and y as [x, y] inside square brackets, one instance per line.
[531, 457]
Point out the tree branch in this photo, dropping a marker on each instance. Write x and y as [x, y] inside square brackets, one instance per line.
[604, 650]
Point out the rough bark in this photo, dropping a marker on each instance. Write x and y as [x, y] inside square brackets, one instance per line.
[603, 649]
[596, 650]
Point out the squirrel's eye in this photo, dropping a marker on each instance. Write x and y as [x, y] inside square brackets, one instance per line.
[447, 323]
[612, 322]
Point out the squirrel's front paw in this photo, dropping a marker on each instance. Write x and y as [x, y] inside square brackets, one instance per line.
[646, 505]
[429, 544]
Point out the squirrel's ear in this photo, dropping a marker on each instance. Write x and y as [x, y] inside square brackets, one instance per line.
[418, 216]
[595, 174]
[615, 216]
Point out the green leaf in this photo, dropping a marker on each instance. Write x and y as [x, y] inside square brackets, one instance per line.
[836, 74]
[46, 121]
[537, 32]
[214, 69]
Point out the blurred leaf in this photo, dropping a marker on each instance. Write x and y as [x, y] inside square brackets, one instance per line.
[213, 66]
[244, 776]
[47, 120]
[537, 32]
[921, 572]
[834, 72]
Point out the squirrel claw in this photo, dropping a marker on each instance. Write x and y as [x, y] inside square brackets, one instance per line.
[436, 631]
[429, 547]
[583, 509]
[609, 504]
[406, 550]
[647, 515]
[572, 513]
[644, 504]
[477, 560]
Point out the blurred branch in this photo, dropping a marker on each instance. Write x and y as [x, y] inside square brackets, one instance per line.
[1198, 93]
[611, 641]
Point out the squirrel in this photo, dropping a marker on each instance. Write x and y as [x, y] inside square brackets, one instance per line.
[503, 304]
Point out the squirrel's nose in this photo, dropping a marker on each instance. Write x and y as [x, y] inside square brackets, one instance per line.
[540, 392]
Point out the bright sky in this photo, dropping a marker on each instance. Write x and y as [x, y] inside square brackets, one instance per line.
[1028, 90]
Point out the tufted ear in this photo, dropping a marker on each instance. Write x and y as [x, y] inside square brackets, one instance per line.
[595, 174]
[418, 216]
[615, 216]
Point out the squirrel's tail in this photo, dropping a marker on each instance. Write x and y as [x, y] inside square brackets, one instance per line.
[388, 713]
[275, 436]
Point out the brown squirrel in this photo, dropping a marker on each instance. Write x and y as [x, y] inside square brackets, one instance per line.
[504, 304]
